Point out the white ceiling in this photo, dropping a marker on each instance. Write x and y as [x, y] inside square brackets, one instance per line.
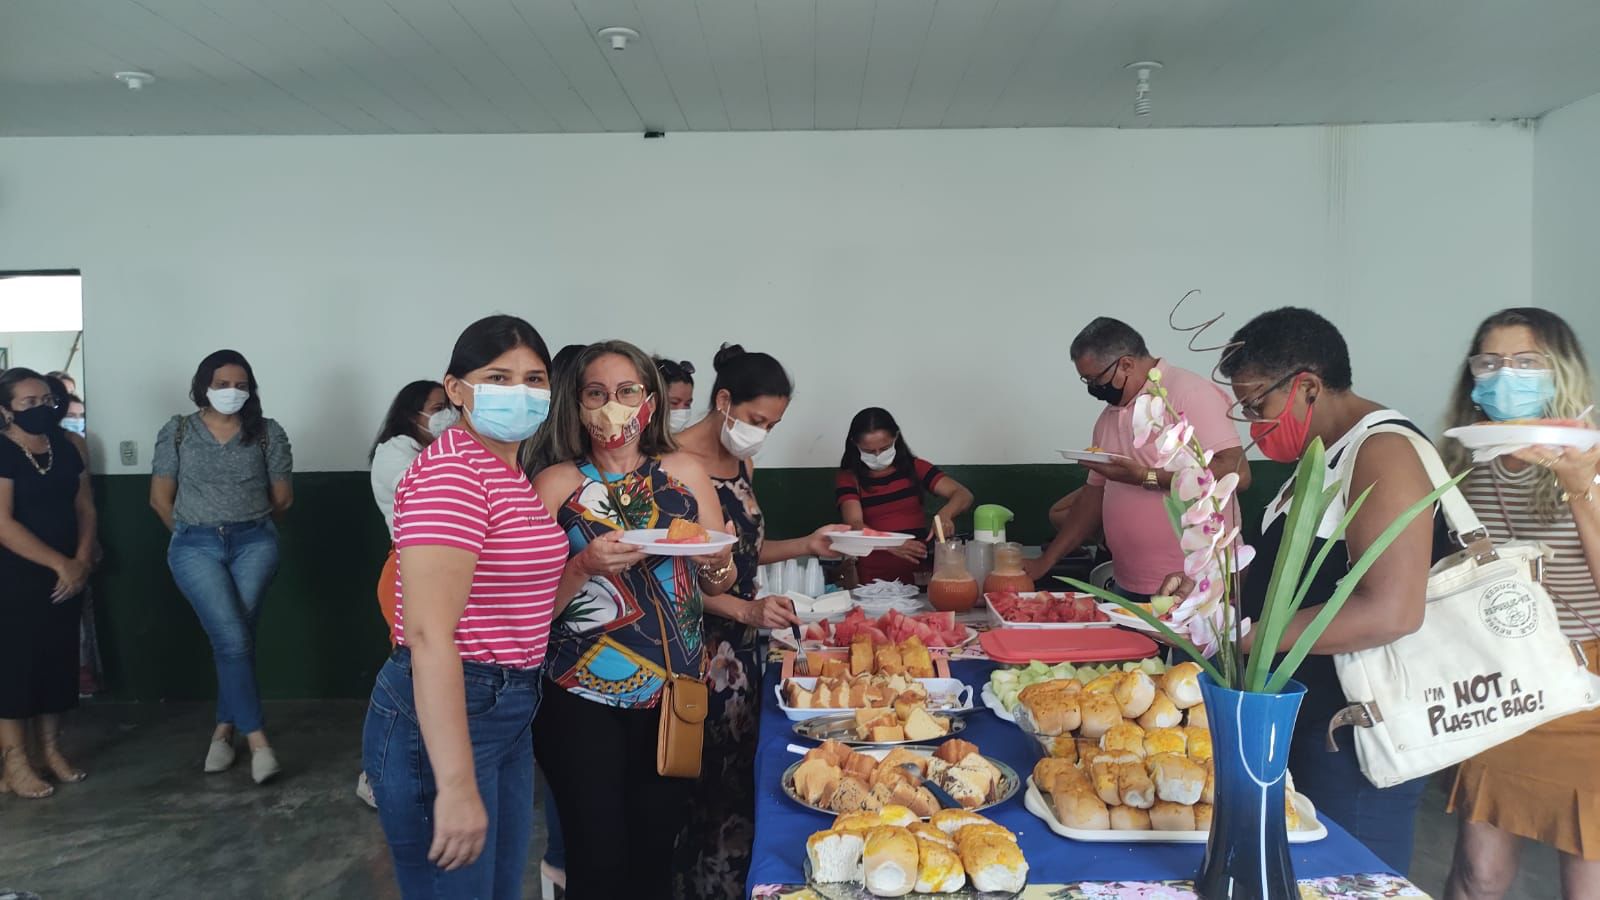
[471, 66]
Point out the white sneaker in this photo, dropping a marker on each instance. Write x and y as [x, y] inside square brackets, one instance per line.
[364, 791]
[263, 765]
[220, 757]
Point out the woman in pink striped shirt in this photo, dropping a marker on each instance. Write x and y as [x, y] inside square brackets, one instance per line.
[446, 743]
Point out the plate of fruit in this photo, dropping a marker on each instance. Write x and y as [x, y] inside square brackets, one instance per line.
[681, 538]
[1043, 609]
[934, 629]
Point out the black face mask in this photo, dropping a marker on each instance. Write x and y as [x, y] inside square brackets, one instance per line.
[38, 420]
[1107, 392]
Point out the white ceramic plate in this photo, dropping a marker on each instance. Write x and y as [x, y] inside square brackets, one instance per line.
[948, 696]
[1087, 456]
[854, 543]
[1474, 437]
[650, 540]
[994, 704]
[1122, 617]
[1035, 802]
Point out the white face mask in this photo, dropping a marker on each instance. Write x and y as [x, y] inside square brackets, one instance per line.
[879, 461]
[227, 400]
[741, 438]
[679, 419]
[441, 420]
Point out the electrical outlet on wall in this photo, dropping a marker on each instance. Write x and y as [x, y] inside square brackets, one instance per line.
[129, 451]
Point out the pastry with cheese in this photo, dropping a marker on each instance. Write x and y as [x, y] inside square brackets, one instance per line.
[1182, 684]
[1135, 692]
[939, 869]
[1163, 713]
[889, 862]
[993, 863]
[835, 856]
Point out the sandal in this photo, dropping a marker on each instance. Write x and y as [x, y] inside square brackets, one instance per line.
[18, 777]
[62, 770]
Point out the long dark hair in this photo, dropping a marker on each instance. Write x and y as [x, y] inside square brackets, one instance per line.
[485, 340]
[746, 376]
[876, 418]
[563, 437]
[402, 415]
[251, 429]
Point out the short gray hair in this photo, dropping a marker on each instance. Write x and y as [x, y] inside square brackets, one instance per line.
[1106, 338]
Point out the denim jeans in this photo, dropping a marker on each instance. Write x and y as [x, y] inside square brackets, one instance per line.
[500, 708]
[1383, 819]
[223, 571]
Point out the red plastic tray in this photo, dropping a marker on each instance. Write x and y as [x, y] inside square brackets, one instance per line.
[1088, 645]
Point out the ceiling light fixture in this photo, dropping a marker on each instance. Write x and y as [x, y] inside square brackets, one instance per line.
[1141, 90]
[618, 36]
[134, 80]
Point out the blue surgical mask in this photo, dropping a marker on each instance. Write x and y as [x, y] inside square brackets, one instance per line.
[508, 412]
[74, 424]
[1515, 393]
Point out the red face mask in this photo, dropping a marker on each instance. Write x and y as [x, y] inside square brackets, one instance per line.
[1281, 439]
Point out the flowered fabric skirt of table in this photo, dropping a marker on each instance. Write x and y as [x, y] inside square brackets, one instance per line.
[1343, 887]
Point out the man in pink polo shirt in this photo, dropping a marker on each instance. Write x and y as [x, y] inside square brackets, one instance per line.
[1124, 497]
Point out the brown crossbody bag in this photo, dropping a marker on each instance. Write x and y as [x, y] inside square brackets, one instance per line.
[685, 701]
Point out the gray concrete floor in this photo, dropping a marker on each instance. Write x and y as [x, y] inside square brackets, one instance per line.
[148, 823]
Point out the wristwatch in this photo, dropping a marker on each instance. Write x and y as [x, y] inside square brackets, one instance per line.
[1152, 481]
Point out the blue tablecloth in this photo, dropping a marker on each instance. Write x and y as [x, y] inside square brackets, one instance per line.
[782, 825]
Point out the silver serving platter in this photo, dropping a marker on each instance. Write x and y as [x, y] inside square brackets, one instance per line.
[843, 730]
[1006, 788]
[849, 890]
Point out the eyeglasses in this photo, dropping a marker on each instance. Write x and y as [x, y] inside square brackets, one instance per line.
[25, 403]
[1251, 409]
[1103, 372]
[594, 396]
[1485, 364]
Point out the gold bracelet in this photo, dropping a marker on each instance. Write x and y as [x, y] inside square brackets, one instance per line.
[716, 576]
[1587, 495]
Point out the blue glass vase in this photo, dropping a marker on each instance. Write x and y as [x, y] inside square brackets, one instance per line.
[1247, 854]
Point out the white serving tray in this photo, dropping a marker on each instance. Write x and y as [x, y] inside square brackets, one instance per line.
[1036, 804]
[998, 621]
[958, 696]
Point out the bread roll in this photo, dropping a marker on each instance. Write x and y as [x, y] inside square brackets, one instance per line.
[1103, 778]
[1099, 713]
[889, 862]
[1063, 686]
[1135, 692]
[993, 863]
[951, 821]
[1055, 714]
[1182, 684]
[1161, 714]
[1087, 748]
[858, 822]
[835, 856]
[895, 814]
[967, 833]
[1051, 774]
[815, 780]
[1197, 717]
[1134, 783]
[1208, 793]
[1129, 818]
[1105, 684]
[1202, 817]
[1199, 741]
[1178, 779]
[927, 831]
[939, 869]
[1164, 740]
[1064, 747]
[1125, 737]
[1079, 807]
[1169, 816]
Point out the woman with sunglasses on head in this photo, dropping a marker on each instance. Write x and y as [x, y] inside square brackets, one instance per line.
[47, 528]
[1290, 370]
[881, 484]
[679, 377]
[483, 567]
[220, 476]
[1526, 363]
[607, 463]
[748, 399]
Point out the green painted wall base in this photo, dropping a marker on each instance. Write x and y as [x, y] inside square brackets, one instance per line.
[321, 634]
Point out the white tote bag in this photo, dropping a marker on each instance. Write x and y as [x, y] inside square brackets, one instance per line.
[1489, 663]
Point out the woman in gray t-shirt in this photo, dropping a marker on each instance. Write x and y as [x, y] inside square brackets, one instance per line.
[220, 477]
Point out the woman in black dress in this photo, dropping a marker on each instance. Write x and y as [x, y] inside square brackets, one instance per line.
[47, 524]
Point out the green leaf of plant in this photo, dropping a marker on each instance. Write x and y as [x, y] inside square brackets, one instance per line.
[1327, 547]
[1299, 530]
[1347, 585]
[1175, 511]
[1179, 641]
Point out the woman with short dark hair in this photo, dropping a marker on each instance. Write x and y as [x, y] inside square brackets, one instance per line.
[220, 477]
[47, 525]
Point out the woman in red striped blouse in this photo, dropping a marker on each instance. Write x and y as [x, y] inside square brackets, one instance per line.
[882, 485]
[483, 570]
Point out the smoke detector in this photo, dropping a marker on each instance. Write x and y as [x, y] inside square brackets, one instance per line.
[618, 37]
[134, 80]
[1141, 89]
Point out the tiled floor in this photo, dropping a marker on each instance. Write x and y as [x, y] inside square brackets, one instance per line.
[147, 823]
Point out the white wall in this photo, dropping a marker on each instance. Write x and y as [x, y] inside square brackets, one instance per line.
[44, 351]
[941, 274]
[1566, 201]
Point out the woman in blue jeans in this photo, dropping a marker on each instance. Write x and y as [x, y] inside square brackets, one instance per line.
[447, 744]
[219, 478]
